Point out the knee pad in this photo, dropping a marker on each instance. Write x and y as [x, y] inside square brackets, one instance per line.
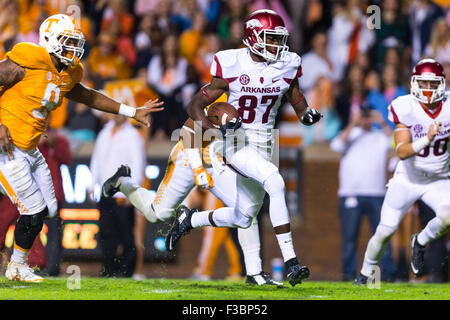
[28, 228]
[274, 184]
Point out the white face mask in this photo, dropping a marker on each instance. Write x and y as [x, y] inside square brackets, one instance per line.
[59, 35]
[261, 47]
[428, 95]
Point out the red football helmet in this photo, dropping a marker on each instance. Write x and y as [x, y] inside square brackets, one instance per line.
[260, 24]
[428, 70]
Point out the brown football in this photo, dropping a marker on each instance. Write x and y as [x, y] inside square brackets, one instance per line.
[220, 113]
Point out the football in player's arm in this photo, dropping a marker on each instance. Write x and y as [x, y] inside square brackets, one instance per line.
[210, 92]
[267, 53]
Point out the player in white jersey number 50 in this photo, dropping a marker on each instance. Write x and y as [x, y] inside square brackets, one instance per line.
[255, 78]
[422, 135]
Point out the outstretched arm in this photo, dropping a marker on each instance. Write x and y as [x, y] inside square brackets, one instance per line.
[295, 96]
[207, 94]
[97, 100]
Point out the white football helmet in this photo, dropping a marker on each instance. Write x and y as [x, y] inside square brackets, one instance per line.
[60, 35]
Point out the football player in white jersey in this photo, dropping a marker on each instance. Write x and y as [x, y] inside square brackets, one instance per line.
[255, 78]
[187, 168]
[422, 134]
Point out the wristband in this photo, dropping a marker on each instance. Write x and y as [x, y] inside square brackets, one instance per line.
[420, 144]
[127, 111]
[194, 158]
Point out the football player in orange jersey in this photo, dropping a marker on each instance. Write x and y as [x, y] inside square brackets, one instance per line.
[33, 81]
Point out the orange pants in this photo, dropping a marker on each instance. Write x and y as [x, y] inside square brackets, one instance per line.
[213, 239]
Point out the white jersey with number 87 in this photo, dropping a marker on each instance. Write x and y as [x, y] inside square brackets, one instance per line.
[256, 88]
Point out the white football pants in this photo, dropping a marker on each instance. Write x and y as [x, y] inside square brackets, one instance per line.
[26, 180]
[402, 192]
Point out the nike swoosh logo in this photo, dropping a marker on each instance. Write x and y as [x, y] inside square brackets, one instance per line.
[275, 80]
[414, 270]
[170, 243]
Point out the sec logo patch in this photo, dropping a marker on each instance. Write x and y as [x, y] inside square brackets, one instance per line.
[244, 79]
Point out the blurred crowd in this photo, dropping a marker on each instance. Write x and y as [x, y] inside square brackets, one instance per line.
[352, 53]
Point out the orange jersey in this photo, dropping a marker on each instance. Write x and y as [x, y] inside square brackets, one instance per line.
[24, 108]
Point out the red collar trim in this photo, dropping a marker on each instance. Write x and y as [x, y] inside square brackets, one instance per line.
[428, 112]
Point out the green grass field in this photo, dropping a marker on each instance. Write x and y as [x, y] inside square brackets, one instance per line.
[182, 289]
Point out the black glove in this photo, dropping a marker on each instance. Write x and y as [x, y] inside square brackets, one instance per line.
[233, 125]
[310, 117]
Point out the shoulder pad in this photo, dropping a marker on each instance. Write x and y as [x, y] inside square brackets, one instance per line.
[290, 60]
[223, 61]
[293, 59]
[446, 95]
[400, 108]
[403, 104]
[228, 58]
[29, 55]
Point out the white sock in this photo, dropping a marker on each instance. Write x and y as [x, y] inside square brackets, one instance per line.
[19, 255]
[200, 219]
[251, 246]
[286, 245]
[368, 265]
[139, 197]
[375, 248]
[222, 217]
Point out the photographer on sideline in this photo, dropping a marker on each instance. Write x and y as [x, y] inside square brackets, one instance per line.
[362, 184]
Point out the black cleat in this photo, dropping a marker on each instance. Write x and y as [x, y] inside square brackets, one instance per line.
[417, 257]
[262, 279]
[296, 272]
[180, 227]
[111, 186]
[360, 280]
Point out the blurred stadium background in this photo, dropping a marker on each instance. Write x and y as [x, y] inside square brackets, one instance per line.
[141, 49]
